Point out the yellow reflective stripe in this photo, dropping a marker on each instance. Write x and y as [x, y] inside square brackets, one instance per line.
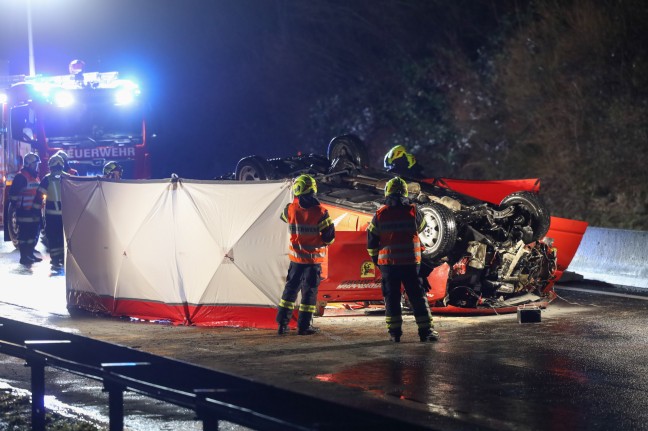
[286, 304]
[372, 228]
[424, 322]
[307, 308]
[394, 322]
[325, 223]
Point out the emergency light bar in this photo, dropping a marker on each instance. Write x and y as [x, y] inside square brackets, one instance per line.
[60, 89]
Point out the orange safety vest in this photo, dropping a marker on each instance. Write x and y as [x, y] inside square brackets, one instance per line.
[399, 241]
[306, 245]
[25, 199]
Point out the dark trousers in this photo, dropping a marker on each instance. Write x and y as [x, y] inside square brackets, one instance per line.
[54, 232]
[393, 276]
[28, 231]
[304, 278]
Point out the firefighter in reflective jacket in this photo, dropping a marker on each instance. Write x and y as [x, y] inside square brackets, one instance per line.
[393, 244]
[22, 195]
[311, 231]
[66, 168]
[50, 187]
[113, 170]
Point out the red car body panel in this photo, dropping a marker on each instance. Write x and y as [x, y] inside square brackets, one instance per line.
[350, 276]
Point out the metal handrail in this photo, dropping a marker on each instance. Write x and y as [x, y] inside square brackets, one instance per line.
[234, 399]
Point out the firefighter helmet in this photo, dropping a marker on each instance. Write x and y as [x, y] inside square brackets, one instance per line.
[396, 186]
[396, 153]
[56, 162]
[31, 160]
[62, 154]
[112, 167]
[303, 185]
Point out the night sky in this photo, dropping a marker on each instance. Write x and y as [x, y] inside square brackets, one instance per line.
[198, 62]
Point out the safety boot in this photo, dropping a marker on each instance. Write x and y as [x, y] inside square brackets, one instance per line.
[283, 330]
[428, 335]
[35, 258]
[310, 330]
[395, 336]
[25, 256]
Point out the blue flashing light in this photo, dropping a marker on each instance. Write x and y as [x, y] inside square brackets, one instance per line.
[124, 97]
[126, 93]
[63, 99]
[3, 98]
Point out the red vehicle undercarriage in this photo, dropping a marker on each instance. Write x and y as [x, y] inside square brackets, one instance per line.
[490, 246]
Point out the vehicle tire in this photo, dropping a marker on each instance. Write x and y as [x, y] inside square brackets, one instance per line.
[253, 168]
[440, 233]
[12, 224]
[531, 207]
[348, 147]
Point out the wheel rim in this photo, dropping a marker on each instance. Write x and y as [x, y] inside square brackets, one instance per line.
[341, 149]
[249, 173]
[433, 232]
[346, 150]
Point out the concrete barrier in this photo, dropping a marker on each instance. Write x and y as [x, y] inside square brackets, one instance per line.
[614, 256]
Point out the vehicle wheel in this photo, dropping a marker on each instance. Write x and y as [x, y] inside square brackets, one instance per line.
[532, 209]
[348, 147]
[253, 168]
[12, 224]
[440, 233]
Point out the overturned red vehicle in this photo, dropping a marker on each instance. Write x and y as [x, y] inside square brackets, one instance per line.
[490, 246]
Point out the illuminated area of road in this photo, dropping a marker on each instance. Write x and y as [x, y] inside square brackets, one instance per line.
[18, 287]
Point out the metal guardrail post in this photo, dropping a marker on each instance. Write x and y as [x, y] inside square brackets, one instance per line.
[116, 393]
[208, 418]
[115, 405]
[37, 363]
[37, 366]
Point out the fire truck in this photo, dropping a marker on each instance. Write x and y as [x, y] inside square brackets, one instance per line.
[94, 117]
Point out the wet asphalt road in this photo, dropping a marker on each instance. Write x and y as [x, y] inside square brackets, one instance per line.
[583, 367]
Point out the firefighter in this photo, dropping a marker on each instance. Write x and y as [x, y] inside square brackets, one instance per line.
[311, 231]
[393, 244]
[50, 186]
[22, 195]
[113, 171]
[399, 162]
[66, 168]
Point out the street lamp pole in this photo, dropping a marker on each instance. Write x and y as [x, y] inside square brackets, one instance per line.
[32, 67]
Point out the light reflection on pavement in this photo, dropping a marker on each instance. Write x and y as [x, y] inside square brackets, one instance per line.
[18, 286]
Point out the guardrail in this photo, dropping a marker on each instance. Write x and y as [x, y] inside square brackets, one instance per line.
[614, 256]
[213, 395]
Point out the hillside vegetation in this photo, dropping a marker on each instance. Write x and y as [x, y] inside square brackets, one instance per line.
[479, 89]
